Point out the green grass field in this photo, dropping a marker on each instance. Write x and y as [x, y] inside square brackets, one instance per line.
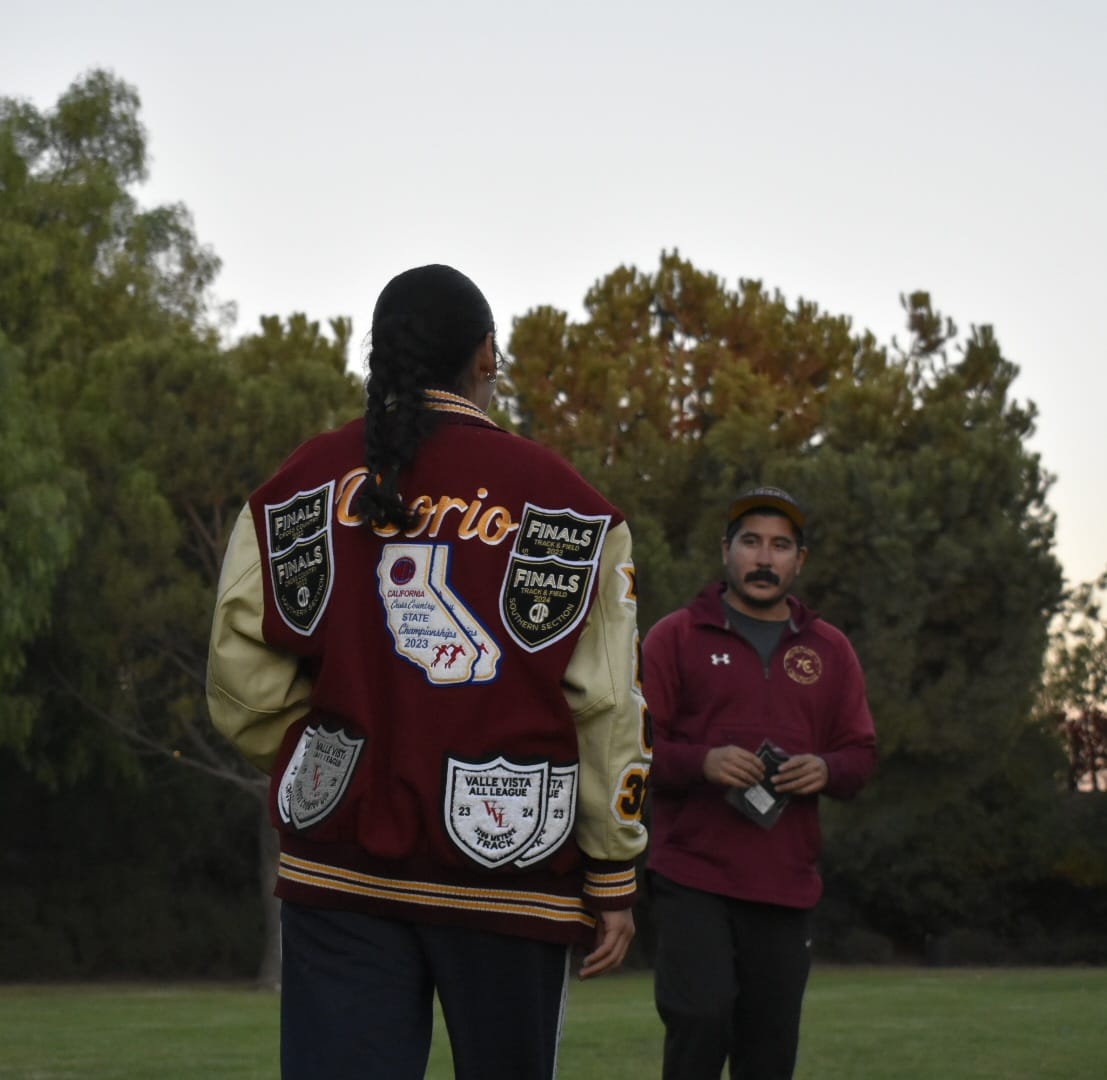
[859, 1024]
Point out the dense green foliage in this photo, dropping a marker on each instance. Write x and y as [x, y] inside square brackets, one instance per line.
[143, 880]
[132, 432]
[1073, 701]
[132, 436]
[143, 436]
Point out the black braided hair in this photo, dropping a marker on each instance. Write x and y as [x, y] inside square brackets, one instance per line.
[427, 324]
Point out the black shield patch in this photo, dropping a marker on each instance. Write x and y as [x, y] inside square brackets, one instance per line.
[302, 580]
[560, 534]
[305, 514]
[301, 557]
[544, 599]
[548, 584]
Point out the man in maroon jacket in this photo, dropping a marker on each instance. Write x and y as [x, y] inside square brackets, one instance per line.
[758, 707]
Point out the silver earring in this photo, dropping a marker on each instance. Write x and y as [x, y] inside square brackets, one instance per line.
[490, 377]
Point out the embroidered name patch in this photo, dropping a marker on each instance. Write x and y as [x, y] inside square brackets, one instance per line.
[499, 811]
[549, 576]
[301, 556]
[316, 776]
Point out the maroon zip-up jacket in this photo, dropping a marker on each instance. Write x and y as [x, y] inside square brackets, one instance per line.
[705, 686]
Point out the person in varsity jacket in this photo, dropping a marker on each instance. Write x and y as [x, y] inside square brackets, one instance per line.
[425, 632]
[758, 708]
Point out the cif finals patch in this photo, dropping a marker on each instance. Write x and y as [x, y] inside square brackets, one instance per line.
[550, 573]
[301, 555]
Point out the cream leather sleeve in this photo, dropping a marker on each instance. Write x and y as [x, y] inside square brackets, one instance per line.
[603, 688]
[255, 693]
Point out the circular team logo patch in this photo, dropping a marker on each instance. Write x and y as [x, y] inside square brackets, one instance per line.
[803, 665]
[403, 570]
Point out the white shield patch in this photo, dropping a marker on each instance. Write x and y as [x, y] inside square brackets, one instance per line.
[494, 810]
[318, 775]
[284, 792]
[561, 812]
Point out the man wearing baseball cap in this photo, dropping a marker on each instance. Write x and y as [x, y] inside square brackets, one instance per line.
[758, 709]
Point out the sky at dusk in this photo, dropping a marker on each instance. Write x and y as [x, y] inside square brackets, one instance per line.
[839, 152]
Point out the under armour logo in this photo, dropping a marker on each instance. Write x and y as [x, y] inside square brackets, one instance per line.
[720, 658]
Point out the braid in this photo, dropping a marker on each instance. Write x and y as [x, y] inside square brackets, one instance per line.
[379, 503]
[395, 422]
[426, 325]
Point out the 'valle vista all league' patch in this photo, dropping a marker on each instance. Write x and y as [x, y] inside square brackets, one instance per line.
[502, 811]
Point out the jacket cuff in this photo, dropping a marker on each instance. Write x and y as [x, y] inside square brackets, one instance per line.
[610, 886]
[843, 778]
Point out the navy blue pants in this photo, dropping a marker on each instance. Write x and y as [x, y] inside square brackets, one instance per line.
[357, 998]
[729, 980]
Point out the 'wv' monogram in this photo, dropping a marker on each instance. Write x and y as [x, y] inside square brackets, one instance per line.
[720, 658]
[495, 812]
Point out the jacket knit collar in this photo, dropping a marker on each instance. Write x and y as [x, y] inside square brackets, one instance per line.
[443, 401]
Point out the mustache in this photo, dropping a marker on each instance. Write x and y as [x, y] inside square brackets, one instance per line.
[762, 574]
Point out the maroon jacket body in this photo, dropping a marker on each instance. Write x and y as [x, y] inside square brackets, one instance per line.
[451, 715]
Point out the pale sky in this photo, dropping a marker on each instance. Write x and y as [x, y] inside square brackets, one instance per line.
[842, 151]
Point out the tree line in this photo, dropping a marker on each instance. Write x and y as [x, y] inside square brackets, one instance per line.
[132, 432]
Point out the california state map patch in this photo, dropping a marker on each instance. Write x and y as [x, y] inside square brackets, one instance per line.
[431, 626]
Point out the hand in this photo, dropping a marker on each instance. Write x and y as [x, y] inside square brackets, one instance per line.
[733, 767]
[614, 931]
[803, 774]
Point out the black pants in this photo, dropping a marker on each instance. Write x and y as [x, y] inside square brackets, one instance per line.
[729, 979]
[357, 996]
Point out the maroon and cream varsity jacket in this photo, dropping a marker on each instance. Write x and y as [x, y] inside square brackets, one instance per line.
[451, 716]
